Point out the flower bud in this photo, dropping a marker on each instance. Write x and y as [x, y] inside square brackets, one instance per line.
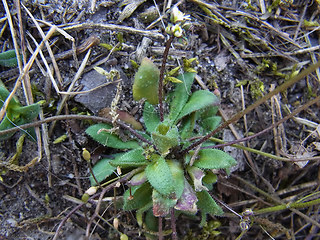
[123, 236]
[178, 16]
[177, 31]
[91, 191]
[85, 197]
[116, 223]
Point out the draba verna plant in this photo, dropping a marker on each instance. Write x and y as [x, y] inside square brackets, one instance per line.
[176, 164]
[168, 179]
[16, 114]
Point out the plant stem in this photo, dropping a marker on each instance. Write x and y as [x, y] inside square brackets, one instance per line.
[77, 117]
[239, 115]
[160, 235]
[278, 201]
[269, 155]
[287, 206]
[173, 225]
[162, 69]
[303, 107]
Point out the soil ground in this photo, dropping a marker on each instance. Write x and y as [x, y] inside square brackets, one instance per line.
[244, 49]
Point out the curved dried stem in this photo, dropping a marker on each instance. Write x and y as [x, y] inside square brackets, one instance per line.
[77, 117]
[303, 107]
[239, 115]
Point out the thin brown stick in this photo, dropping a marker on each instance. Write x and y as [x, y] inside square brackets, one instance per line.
[77, 117]
[75, 79]
[303, 107]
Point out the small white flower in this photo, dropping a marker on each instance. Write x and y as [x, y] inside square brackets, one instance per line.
[178, 16]
[177, 31]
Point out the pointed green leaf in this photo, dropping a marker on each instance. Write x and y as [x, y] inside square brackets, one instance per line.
[140, 197]
[107, 139]
[8, 58]
[198, 100]
[211, 123]
[209, 180]
[214, 159]
[165, 138]
[187, 126]
[161, 204]
[207, 206]
[146, 82]
[102, 170]
[181, 95]
[26, 113]
[16, 116]
[151, 222]
[209, 112]
[150, 117]
[6, 124]
[160, 177]
[133, 158]
[4, 93]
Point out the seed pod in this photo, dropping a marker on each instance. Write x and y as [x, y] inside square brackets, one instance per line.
[86, 155]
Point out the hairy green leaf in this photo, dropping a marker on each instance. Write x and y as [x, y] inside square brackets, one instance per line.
[181, 95]
[17, 115]
[101, 171]
[211, 123]
[214, 159]
[165, 138]
[207, 206]
[99, 132]
[140, 197]
[150, 117]
[187, 126]
[160, 177]
[198, 100]
[178, 177]
[209, 180]
[146, 82]
[132, 158]
[209, 112]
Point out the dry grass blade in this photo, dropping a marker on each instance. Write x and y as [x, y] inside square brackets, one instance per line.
[75, 79]
[25, 70]
[53, 60]
[113, 27]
